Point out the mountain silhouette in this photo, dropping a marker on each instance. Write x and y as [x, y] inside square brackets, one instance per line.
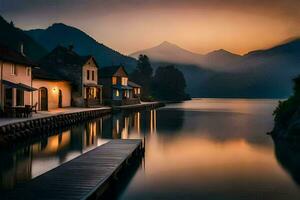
[219, 60]
[64, 35]
[258, 74]
[171, 53]
[263, 73]
[13, 38]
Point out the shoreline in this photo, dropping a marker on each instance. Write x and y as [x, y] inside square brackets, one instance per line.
[41, 126]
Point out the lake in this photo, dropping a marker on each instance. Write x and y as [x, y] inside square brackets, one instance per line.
[204, 148]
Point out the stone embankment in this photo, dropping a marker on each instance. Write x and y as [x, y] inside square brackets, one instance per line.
[43, 126]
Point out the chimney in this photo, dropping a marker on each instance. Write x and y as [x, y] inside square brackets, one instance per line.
[22, 49]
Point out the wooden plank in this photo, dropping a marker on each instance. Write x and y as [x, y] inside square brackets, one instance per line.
[81, 177]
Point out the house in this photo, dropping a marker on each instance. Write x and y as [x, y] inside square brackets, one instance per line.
[80, 71]
[136, 89]
[15, 78]
[116, 90]
[53, 91]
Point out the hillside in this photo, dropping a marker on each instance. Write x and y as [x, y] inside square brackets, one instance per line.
[258, 74]
[13, 37]
[219, 60]
[171, 53]
[61, 34]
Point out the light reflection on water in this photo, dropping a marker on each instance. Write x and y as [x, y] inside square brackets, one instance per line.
[205, 148]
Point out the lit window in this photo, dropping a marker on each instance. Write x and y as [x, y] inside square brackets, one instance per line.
[124, 81]
[117, 93]
[13, 69]
[139, 91]
[88, 75]
[28, 71]
[114, 80]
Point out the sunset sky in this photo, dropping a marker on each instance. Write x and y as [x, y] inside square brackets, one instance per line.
[197, 25]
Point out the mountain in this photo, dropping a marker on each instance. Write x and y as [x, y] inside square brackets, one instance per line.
[171, 53]
[262, 74]
[219, 60]
[61, 34]
[258, 74]
[13, 37]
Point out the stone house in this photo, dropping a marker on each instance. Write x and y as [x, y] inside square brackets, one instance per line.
[80, 71]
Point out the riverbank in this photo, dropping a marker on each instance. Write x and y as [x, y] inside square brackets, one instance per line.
[288, 129]
[44, 123]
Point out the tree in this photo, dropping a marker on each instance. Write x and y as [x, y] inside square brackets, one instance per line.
[169, 84]
[144, 66]
[142, 75]
[286, 109]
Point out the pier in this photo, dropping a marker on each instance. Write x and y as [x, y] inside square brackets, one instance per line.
[85, 177]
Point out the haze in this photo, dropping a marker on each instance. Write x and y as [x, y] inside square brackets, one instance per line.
[201, 26]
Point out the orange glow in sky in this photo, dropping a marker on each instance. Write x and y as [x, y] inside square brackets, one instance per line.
[201, 26]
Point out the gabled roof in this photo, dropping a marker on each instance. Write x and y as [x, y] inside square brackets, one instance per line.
[64, 57]
[63, 63]
[9, 55]
[111, 70]
[133, 84]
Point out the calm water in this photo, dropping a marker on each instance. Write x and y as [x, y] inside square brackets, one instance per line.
[204, 148]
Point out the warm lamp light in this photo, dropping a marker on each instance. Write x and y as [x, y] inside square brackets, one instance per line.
[54, 90]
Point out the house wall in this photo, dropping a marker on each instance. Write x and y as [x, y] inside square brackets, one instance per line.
[53, 88]
[20, 77]
[108, 91]
[91, 67]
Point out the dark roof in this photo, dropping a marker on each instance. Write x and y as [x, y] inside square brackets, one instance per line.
[63, 63]
[133, 84]
[9, 55]
[40, 73]
[109, 71]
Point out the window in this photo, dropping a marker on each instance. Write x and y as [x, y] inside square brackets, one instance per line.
[139, 90]
[124, 80]
[28, 71]
[114, 80]
[93, 75]
[88, 75]
[117, 93]
[13, 69]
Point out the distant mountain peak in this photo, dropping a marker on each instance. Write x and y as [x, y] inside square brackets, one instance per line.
[166, 43]
[221, 52]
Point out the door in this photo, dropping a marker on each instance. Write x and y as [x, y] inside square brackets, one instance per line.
[8, 97]
[60, 99]
[43, 99]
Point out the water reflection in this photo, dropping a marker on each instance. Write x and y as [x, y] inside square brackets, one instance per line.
[202, 149]
[288, 155]
[28, 161]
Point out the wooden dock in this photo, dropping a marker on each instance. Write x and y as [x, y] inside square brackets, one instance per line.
[85, 177]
